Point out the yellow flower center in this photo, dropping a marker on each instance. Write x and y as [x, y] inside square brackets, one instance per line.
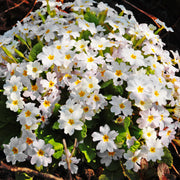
[134, 159]
[40, 152]
[28, 113]
[149, 134]
[86, 109]
[142, 103]
[27, 127]
[105, 138]
[82, 46]
[152, 149]
[100, 45]
[69, 31]
[46, 103]
[24, 73]
[67, 57]
[119, 120]
[111, 153]
[133, 56]
[156, 93]
[169, 132]
[34, 69]
[51, 83]
[51, 57]
[47, 31]
[71, 110]
[122, 106]
[118, 73]
[150, 118]
[81, 93]
[96, 98]
[90, 86]
[15, 150]
[34, 87]
[140, 89]
[14, 88]
[15, 102]
[71, 121]
[29, 141]
[77, 82]
[58, 47]
[90, 59]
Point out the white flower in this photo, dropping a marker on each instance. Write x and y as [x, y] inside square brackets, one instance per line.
[15, 102]
[107, 157]
[120, 104]
[70, 122]
[153, 150]
[133, 159]
[106, 138]
[34, 69]
[28, 114]
[41, 153]
[73, 162]
[13, 85]
[14, 150]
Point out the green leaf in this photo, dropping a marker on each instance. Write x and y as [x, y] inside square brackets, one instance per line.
[23, 176]
[91, 17]
[23, 41]
[55, 126]
[127, 122]
[106, 84]
[135, 146]
[167, 158]
[56, 145]
[58, 154]
[80, 135]
[89, 153]
[37, 48]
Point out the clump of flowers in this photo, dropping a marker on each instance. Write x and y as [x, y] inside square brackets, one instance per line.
[94, 75]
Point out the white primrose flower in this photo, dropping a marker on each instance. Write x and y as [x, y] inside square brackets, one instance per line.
[13, 85]
[14, 102]
[28, 114]
[106, 138]
[120, 104]
[133, 159]
[14, 150]
[41, 153]
[73, 162]
[34, 69]
[70, 122]
[153, 150]
[107, 157]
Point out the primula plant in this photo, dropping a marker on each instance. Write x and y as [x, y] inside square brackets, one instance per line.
[92, 74]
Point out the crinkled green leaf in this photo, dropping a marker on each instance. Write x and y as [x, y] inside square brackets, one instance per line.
[89, 153]
[106, 84]
[55, 126]
[56, 145]
[91, 17]
[37, 48]
[135, 146]
[167, 158]
[127, 122]
[58, 154]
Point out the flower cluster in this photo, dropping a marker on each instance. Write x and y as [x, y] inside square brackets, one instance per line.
[103, 70]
